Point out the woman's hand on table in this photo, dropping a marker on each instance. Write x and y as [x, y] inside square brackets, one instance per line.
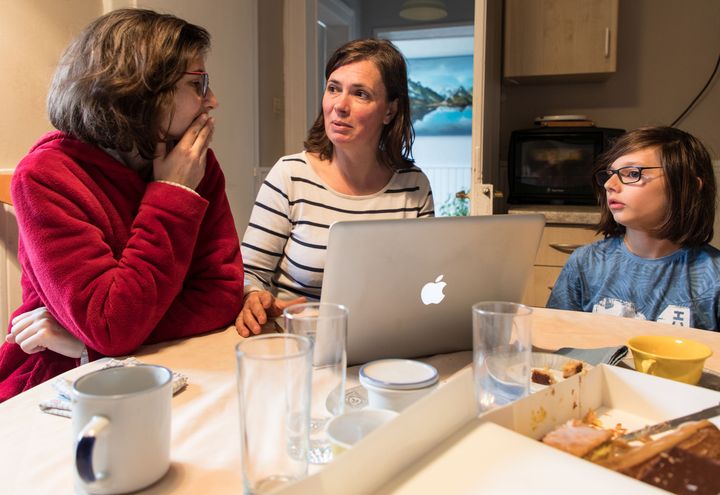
[257, 308]
[38, 330]
[185, 162]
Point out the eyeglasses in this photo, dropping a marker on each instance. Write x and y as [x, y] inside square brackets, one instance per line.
[627, 175]
[204, 82]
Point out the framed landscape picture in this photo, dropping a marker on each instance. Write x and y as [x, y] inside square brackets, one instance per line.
[441, 95]
[440, 80]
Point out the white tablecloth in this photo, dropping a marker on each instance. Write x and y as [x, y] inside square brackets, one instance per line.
[36, 448]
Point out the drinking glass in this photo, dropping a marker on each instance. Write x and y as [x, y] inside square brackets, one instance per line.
[326, 325]
[502, 346]
[274, 373]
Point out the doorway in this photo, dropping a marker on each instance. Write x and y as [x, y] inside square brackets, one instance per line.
[304, 76]
[440, 77]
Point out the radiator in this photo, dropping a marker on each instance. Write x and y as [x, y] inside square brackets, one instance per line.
[10, 293]
[446, 182]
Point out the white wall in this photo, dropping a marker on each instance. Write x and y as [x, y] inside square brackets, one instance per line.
[33, 34]
[271, 105]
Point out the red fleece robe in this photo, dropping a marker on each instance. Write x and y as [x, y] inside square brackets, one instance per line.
[118, 261]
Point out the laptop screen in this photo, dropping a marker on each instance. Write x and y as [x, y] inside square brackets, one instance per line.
[410, 284]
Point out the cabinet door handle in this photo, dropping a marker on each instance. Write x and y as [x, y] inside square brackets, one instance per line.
[565, 248]
[607, 42]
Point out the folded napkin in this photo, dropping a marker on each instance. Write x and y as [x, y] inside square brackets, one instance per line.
[62, 404]
[607, 355]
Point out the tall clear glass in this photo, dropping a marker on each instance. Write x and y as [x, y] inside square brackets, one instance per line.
[502, 350]
[274, 378]
[326, 325]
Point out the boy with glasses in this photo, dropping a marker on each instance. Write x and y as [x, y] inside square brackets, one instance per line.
[656, 189]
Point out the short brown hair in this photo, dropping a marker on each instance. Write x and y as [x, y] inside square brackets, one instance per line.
[117, 78]
[690, 214]
[395, 148]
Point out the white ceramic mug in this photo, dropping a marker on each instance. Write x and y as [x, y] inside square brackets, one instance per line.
[121, 428]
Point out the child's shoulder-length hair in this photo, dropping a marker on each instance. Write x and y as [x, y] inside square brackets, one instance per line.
[116, 80]
[689, 184]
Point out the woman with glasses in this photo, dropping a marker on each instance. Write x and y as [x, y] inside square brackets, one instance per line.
[656, 189]
[125, 231]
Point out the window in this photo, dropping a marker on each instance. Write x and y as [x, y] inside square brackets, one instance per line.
[440, 71]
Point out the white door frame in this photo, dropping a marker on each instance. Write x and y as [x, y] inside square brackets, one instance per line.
[300, 71]
[486, 106]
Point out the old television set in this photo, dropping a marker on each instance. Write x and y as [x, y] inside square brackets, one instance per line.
[554, 165]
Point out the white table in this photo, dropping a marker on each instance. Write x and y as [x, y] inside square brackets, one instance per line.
[36, 448]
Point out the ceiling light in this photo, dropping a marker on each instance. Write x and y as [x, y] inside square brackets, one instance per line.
[423, 10]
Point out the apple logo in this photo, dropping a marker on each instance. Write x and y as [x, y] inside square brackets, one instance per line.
[432, 292]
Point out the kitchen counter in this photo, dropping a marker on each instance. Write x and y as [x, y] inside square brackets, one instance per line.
[561, 214]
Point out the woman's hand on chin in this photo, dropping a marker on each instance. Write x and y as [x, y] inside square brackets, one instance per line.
[184, 163]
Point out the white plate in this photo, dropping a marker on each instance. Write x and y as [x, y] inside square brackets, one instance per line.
[554, 364]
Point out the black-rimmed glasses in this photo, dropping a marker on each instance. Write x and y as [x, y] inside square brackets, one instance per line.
[627, 175]
[204, 82]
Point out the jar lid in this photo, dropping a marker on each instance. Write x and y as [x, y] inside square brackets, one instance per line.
[398, 374]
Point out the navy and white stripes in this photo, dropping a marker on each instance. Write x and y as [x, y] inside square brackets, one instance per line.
[286, 240]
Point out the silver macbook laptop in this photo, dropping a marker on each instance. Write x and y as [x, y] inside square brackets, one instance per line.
[410, 284]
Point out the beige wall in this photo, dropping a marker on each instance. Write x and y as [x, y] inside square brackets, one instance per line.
[666, 52]
[270, 70]
[33, 34]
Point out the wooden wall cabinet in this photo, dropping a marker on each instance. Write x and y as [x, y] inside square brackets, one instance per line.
[555, 40]
[558, 242]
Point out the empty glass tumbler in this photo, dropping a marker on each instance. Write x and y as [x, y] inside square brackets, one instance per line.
[502, 350]
[274, 373]
[326, 325]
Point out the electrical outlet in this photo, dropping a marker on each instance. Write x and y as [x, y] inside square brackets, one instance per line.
[277, 105]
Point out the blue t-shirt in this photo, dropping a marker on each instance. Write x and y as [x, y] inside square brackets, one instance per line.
[605, 277]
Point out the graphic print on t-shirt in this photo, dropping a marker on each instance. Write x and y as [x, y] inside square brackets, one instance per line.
[617, 307]
[675, 315]
[672, 315]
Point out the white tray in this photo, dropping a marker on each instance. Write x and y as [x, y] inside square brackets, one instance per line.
[439, 445]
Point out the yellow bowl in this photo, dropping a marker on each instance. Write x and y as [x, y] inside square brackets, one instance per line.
[669, 357]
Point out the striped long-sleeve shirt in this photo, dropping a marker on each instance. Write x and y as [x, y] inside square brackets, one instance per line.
[286, 240]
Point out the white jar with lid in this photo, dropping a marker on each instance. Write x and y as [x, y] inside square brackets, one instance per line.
[396, 383]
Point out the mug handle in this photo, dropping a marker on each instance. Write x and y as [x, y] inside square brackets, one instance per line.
[84, 449]
[647, 365]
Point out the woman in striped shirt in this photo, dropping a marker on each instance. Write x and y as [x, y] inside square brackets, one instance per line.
[357, 165]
